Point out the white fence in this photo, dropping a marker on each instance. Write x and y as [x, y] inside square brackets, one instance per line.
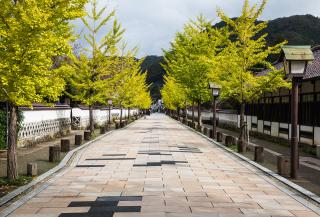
[307, 134]
[39, 124]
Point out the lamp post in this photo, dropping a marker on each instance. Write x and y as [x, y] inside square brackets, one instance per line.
[215, 94]
[110, 104]
[296, 59]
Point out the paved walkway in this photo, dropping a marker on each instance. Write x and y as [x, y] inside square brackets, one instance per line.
[309, 171]
[158, 168]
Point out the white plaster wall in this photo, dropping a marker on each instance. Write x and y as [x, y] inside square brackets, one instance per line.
[101, 116]
[284, 125]
[43, 115]
[249, 121]
[228, 117]
[275, 129]
[260, 126]
[254, 119]
[267, 123]
[306, 128]
[306, 141]
[317, 135]
[83, 114]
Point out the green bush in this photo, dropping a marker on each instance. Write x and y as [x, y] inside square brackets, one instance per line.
[3, 127]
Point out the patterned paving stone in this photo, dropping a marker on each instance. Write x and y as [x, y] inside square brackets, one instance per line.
[158, 168]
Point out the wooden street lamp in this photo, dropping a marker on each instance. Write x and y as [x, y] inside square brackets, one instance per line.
[296, 59]
[215, 94]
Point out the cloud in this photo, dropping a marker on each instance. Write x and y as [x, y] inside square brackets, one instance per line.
[152, 24]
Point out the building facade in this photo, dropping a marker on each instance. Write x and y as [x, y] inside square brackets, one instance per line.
[271, 113]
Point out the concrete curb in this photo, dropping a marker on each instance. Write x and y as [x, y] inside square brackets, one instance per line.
[23, 189]
[270, 173]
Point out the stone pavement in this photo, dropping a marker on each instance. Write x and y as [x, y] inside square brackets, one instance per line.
[156, 167]
[309, 171]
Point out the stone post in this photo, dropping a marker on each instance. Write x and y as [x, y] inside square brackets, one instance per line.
[283, 165]
[205, 131]
[32, 169]
[78, 140]
[103, 130]
[318, 151]
[259, 154]
[219, 137]
[211, 134]
[65, 145]
[54, 153]
[87, 135]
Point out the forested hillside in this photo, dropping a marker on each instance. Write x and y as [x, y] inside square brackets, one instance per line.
[297, 30]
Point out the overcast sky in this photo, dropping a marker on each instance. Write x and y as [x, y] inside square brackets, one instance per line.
[152, 24]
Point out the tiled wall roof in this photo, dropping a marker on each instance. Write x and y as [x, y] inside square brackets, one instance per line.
[313, 70]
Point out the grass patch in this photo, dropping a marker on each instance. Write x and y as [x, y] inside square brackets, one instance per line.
[233, 148]
[22, 180]
[7, 186]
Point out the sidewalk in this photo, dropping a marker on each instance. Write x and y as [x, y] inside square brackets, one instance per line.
[157, 167]
[309, 172]
[38, 154]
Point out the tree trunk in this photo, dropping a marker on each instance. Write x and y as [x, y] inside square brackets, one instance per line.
[91, 118]
[121, 116]
[193, 113]
[199, 114]
[12, 164]
[178, 114]
[128, 113]
[242, 143]
[186, 115]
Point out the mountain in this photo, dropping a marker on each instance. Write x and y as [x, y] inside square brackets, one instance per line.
[297, 30]
[152, 65]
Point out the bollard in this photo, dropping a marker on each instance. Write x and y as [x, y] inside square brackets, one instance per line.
[32, 169]
[185, 121]
[219, 137]
[78, 140]
[199, 128]
[65, 145]
[193, 125]
[230, 140]
[318, 151]
[211, 134]
[205, 131]
[283, 165]
[103, 130]
[259, 154]
[54, 153]
[87, 135]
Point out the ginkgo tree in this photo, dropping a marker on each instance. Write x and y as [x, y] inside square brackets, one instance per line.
[229, 56]
[235, 66]
[185, 60]
[93, 72]
[173, 95]
[130, 83]
[32, 33]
